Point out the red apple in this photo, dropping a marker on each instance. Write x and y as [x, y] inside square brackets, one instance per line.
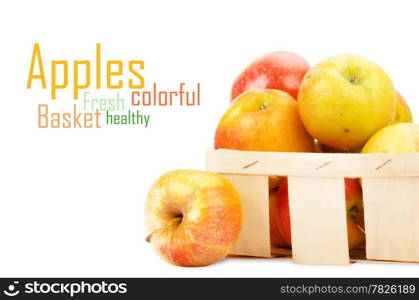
[278, 70]
[275, 236]
[354, 212]
[283, 212]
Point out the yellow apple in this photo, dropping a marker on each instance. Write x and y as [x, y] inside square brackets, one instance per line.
[192, 218]
[402, 113]
[344, 100]
[401, 137]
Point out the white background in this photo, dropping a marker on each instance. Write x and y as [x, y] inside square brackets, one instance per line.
[71, 201]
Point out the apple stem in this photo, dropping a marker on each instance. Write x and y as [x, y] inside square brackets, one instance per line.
[148, 238]
[263, 106]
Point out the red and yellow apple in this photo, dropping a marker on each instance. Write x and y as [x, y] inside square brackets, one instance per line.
[263, 120]
[192, 218]
[344, 100]
[278, 70]
[354, 212]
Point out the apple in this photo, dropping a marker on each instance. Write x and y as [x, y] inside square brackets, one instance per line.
[396, 138]
[263, 120]
[275, 235]
[278, 70]
[344, 100]
[274, 181]
[192, 218]
[354, 212]
[283, 213]
[402, 113]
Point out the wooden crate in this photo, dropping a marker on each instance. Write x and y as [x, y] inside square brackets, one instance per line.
[390, 184]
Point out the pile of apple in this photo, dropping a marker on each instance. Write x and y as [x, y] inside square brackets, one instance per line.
[345, 103]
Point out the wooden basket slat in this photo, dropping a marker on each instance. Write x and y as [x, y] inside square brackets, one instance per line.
[391, 208]
[318, 220]
[313, 164]
[254, 193]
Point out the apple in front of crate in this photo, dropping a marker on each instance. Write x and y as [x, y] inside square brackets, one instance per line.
[280, 70]
[344, 100]
[354, 212]
[263, 120]
[192, 218]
